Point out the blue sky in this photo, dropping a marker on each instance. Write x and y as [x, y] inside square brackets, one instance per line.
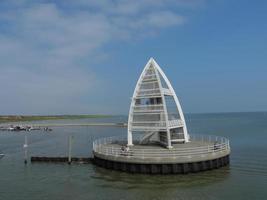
[85, 56]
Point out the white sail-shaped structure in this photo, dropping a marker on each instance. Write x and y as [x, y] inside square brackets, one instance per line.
[155, 112]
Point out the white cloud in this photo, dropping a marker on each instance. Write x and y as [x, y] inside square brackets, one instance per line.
[44, 45]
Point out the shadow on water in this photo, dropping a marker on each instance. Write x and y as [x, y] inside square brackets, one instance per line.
[125, 180]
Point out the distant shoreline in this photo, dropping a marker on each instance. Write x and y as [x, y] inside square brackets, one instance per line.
[23, 118]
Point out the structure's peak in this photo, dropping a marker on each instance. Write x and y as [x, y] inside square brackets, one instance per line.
[152, 60]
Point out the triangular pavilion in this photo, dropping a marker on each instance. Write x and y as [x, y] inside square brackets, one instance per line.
[155, 112]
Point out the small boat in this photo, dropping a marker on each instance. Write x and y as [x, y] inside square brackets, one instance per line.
[11, 128]
[1, 155]
[34, 128]
[47, 129]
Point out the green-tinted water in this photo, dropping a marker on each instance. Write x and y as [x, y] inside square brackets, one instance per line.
[245, 178]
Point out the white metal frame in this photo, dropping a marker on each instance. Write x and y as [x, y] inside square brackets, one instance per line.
[163, 91]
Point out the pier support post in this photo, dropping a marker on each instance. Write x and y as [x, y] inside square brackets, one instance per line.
[70, 148]
[25, 146]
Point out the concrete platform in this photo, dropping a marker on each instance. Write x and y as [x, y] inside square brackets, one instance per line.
[197, 155]
[176, 168]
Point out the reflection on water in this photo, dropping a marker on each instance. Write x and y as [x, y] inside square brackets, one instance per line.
[130, 181]
[245, 178]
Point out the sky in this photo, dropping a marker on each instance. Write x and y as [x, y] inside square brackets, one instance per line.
[85, 56]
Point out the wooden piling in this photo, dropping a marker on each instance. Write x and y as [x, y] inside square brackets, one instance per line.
[70, 147]
[25, 146]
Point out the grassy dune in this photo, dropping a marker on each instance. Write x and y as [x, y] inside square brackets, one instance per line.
[19, 118]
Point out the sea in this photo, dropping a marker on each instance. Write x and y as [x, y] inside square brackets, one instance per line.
[245, 177]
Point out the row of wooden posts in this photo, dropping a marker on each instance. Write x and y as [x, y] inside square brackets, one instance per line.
[47, 159]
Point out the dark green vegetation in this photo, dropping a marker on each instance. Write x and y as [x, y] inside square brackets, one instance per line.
[18, 118]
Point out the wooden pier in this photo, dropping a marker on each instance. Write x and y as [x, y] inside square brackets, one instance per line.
[80, 160]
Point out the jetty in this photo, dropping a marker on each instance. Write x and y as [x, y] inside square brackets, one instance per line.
[23, 128]
[57, 159]
[79, 124]
[47, 127]
[80, 160]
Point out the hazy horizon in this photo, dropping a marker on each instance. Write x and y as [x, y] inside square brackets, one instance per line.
[126, 115]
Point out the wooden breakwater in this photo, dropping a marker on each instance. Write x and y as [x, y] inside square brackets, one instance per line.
[82, 160]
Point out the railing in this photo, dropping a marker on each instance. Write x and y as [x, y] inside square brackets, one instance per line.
[150, 79]
[148, 125]
[147, 128]
[147, 108]
[148, 92]
[211, 145]
[167, 91]
[175, 122]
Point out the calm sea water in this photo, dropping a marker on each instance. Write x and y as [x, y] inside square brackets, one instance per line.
[245, 178]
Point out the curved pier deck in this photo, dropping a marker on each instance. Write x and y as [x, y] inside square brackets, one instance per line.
[201, 153]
